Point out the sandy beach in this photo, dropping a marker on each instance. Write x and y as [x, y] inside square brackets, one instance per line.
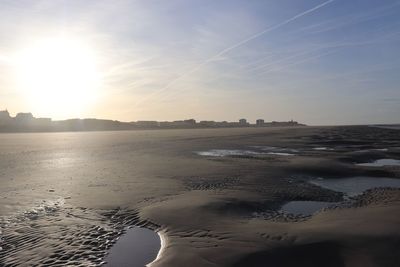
[214, 195]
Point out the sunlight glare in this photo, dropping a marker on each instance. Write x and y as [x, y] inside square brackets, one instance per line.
[58, 76]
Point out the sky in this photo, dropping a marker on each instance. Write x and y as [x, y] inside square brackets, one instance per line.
[315, 61]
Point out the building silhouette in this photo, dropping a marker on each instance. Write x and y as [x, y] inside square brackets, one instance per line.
[260, 122]
[243, 122]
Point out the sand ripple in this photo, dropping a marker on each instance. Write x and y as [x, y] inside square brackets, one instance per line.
[55, 235]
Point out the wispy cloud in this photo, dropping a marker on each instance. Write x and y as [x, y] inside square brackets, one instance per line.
[353, 19]
[232, 47]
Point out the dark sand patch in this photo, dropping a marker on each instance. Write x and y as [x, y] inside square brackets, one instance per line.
[201, 183]
[308, 255]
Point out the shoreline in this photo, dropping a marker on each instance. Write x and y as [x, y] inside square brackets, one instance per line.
[163, 244]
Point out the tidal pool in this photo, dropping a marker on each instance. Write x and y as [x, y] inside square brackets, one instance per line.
[381, 162]
[242, 152]
[227, 152]
[305, 207]
[136, 248]
[322, 148]
[350, 186]
[276, 149]
[280, 154]
[356, 185]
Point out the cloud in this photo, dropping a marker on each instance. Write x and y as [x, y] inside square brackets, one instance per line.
[232, 47]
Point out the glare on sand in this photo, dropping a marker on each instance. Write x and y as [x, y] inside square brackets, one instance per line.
[57, 74]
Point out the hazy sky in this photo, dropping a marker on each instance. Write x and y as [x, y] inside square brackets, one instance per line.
[315, 61]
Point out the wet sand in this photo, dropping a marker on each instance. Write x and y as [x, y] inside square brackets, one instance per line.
[67, 197]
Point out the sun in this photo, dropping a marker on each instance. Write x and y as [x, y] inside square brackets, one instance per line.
[58, 76]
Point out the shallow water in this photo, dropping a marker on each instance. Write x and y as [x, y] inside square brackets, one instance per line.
[356, 185]
[381, 162]
[304, 207]
[280, 154]
[227, 152]
[322, 148]
[136, 248]
[276, 149]
[350, 186]
[242, 152]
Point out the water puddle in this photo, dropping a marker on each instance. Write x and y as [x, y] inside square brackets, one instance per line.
[356, 185]
[227, 152]
[280, 154]
[322, 148]
[305, 207]
[381, 163]
[258, 150]
[276, 149]
[136, 248]
[349, 186]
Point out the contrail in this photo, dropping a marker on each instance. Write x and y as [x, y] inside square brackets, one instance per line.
[279, 61]
[226, 50]
[272, 28]
[299, 62]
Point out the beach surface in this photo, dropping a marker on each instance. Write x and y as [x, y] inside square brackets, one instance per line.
[216, 197]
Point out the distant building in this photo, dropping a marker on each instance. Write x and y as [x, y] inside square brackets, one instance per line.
[165, 124]
[5, 118]
[147, 124]
[178, 123]
[260, 122]
[207, 123]
[24, 117]
[190, 121]
[222, 124]
[173, 124]
[243, 122]
[283, 123]
[4, 115]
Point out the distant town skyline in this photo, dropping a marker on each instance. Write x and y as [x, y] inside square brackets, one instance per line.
[27, 122]
[321, 62]
[26, 116]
